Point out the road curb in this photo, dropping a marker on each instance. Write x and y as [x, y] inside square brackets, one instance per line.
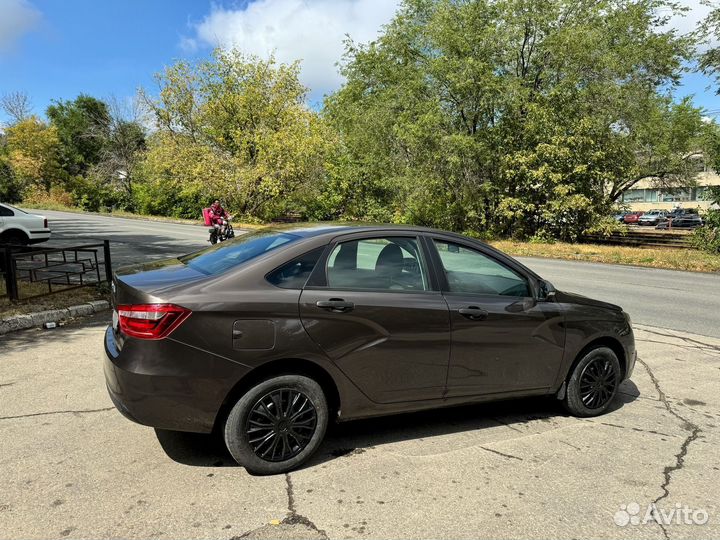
[34, 320]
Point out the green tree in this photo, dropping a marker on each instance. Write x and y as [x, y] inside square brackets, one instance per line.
[10, 186]
[709, 31]
[234, 127]
[512, 116]
[33, 149]
[82, 125]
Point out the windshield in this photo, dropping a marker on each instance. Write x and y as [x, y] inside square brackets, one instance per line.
[232, 253]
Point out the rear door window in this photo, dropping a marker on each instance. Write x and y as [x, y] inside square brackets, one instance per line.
[294, 274]
[383, 263]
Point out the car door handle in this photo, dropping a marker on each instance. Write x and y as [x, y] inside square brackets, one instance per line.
[337, 305]
[474, 313]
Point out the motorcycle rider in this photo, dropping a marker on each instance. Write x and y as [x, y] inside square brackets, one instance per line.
[219, 217]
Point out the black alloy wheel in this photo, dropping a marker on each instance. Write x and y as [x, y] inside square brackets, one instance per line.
[281, 424]
[593, 383]
[278, 424]
[598, 382]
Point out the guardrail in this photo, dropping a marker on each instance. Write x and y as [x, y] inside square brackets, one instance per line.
[60, 269]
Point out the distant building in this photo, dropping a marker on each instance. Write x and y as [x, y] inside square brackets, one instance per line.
[645, 196]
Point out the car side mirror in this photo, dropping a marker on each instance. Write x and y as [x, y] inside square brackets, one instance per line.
[546, 291]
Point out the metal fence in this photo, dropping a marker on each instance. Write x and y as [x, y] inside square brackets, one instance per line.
[53, 269]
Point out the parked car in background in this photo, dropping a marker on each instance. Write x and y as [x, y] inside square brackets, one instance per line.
[685, 221]
[22, 228]
[620, 216]
[677, 212]
[653, 217]
[632, 218]
[270, 336]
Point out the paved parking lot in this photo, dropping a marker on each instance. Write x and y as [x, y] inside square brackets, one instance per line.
[71, 466]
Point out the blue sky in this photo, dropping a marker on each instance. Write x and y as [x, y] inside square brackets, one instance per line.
[53, 49]
[96, 47]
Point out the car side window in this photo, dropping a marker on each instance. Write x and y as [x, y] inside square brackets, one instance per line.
[294, 274]
[6, 212]
[383, 263]
[470, 271]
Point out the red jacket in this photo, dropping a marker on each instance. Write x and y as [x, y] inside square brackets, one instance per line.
[217, 213]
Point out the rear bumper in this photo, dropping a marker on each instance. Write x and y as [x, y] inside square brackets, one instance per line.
[37, 237]
[167, 385]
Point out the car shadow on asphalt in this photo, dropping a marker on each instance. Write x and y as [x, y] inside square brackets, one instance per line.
[356, 437]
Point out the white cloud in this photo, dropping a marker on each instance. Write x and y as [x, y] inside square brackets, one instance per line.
[17, 17]
[313, 31]
[690, 20]
[308, 30]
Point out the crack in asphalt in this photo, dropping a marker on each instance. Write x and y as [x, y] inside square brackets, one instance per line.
[680, 456]
[293, 518]
[81, 411]
[509, 456]
[639, 430]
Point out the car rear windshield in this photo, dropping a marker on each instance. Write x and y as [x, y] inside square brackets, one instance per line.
[10, 207]
[232, 253]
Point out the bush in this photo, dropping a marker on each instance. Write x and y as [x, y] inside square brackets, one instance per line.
[707, 237]
[56, 196]
[607, 226]
[10, 186]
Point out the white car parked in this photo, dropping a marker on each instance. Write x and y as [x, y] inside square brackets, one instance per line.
[20, 227]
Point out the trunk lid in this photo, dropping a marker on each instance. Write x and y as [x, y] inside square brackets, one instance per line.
[149, 282]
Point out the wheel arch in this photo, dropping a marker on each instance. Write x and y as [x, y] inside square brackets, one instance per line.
[275, 368]
[14, 231]
[603, 341]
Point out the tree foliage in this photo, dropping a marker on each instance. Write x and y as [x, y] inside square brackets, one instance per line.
[233, 127]
[493, 117]
[709, 31]
[81, 125]
[32, 149]
[514, 116]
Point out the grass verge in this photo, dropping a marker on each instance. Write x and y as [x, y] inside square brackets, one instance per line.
[60, 300]
[669, 258]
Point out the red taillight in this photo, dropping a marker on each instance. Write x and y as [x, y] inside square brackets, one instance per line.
[150, 321]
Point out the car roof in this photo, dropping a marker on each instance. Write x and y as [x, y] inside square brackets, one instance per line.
[310, 230]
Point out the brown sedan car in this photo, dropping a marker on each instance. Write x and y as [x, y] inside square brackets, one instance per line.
[269, 336]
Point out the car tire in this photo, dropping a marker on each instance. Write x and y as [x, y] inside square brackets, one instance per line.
[593, 383]
[294, 441]
[16, 238]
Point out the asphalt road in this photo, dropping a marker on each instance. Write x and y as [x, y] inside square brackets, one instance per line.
[685, 301]
[72, 467]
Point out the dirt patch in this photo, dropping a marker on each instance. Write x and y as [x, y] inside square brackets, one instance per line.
[59, 300]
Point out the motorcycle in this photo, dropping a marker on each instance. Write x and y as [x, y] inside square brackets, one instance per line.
[220, 234]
